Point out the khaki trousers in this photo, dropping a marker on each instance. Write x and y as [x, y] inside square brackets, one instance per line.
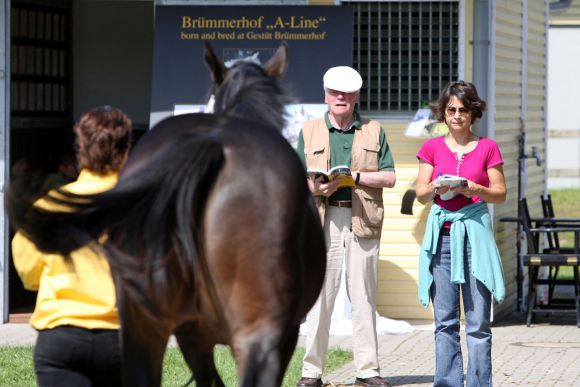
[360, 258]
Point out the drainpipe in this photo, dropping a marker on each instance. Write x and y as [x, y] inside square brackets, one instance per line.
[548, 8]
[482, 63]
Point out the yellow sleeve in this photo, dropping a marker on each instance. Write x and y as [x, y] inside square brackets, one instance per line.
[28, 260]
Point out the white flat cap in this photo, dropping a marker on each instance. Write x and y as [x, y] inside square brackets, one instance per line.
[342, 78]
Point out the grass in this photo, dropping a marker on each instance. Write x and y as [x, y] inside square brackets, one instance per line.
[18, 370]
[565, 202]
[566, 205]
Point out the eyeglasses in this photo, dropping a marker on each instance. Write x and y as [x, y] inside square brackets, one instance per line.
[336, 93]
[451, 111]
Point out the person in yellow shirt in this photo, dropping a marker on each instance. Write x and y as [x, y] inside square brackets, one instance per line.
[76, 314]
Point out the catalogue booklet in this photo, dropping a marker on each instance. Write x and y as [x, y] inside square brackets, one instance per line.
[341, 172]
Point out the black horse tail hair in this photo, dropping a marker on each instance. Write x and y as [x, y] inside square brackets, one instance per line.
[52, 232]
[170, 218]
[156, 210]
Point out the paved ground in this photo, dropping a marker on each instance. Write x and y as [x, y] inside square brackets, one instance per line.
[546, 354]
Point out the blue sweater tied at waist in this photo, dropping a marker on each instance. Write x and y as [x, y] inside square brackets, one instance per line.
[485, 259]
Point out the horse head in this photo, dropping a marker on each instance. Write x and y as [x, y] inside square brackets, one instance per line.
[249, 90]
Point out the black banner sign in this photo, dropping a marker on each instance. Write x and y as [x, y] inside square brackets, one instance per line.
[318, 37]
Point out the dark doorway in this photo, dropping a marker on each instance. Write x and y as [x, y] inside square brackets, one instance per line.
[41, 102]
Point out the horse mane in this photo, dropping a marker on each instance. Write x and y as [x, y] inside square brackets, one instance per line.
[248, 92]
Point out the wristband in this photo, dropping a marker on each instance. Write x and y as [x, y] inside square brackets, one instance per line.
[356, 180]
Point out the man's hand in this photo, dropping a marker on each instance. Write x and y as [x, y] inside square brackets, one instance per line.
[318, 188]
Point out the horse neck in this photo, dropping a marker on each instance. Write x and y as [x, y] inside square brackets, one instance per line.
[253, 97]
[258, 111]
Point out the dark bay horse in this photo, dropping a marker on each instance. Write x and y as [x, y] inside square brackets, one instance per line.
[211, 234]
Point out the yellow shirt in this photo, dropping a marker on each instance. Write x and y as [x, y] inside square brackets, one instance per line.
[79, 292]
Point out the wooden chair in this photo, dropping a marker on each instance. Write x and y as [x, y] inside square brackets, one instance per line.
[552, 237]
[535, 258]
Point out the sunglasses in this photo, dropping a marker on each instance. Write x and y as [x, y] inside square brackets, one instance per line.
[451, 111]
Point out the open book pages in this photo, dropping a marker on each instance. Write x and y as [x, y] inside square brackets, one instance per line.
[341, 172]
[453, 182]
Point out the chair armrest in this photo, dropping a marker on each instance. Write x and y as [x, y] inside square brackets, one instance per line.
[558, 222]
[556, 229]
[508, 219]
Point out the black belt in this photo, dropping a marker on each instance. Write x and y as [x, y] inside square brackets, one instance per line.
[340, 203]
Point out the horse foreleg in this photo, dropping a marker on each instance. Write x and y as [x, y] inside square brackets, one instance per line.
[142, 359]
[143, 343]
[288, 348]
[262, 358]
[198, 354]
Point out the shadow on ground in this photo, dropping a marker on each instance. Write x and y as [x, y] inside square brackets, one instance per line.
[401, 380]
[519, 318]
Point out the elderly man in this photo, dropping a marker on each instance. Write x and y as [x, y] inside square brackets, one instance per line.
[352, 219]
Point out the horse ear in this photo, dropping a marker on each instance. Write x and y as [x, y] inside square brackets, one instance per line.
[278, 63]
[216, 67]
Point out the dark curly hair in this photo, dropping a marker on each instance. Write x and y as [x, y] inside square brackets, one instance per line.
[103, 139]
[466, 93]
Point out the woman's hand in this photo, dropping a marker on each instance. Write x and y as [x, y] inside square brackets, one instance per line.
[495, 193]
[439, 189]
[427, 188]
[468, 191]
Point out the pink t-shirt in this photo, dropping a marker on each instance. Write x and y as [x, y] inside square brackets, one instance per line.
[472, 166]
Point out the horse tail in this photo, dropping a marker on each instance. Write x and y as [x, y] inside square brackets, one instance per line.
[55, 231]
[155, 210]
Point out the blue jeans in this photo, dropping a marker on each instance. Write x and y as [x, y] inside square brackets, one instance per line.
[477, 308]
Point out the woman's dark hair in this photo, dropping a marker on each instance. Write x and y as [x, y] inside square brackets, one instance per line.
[103, 139]
[466, 93]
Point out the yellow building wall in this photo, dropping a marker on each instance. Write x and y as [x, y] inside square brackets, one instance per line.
[402, 234]
[508, 90]
[508, 68]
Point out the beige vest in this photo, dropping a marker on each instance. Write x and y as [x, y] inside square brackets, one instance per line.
[367, 202]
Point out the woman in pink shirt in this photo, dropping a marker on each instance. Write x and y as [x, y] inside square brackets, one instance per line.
[451, 257]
